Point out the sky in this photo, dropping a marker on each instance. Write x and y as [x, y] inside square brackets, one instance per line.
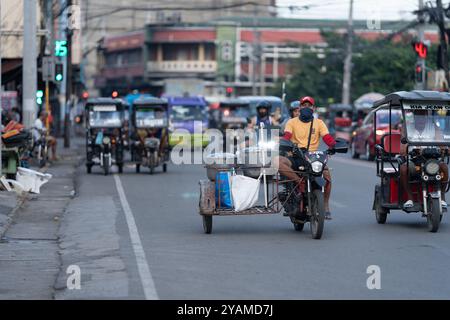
[362, 9]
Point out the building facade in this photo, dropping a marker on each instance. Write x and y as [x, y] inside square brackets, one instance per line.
[119, 16]
[207, 59]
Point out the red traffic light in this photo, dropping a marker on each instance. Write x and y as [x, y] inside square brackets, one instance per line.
[421, 49]
[229, 90]
[85, 95]
[114, 94]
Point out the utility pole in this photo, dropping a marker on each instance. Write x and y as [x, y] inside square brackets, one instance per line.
[48, 52]
[29, 73]
[69, 33]
[255, 50]
[442, 39]
[348, 59]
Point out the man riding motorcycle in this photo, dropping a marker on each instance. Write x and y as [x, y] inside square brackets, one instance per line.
[297, 131]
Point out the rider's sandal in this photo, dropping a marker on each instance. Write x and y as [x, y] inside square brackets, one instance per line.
[328, 215]
[443, 204]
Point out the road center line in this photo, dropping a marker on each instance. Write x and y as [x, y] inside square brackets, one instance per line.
[144, 271]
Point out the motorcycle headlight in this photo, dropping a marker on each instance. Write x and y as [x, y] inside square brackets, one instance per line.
[106, 140]
[317, 166]
[432, 167]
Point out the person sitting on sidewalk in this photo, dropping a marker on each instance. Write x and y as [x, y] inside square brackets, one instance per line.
[40, 129]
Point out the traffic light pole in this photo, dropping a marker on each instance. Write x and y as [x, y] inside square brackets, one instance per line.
[68, 82]
[443, 41]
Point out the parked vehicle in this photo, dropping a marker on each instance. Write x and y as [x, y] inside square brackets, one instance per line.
[363, 140]
[104, 133]
[150, 136]
[426, 138]
[190, 114]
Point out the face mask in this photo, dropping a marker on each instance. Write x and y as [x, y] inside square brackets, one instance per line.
[306, 114]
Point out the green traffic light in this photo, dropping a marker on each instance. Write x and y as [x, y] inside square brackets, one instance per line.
[39, 94]
[58, 77]
[39, 100]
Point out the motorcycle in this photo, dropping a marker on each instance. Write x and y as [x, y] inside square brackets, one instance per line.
[304, 202]
[149, 139]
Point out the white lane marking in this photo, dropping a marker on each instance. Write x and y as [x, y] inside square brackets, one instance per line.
[144, 271]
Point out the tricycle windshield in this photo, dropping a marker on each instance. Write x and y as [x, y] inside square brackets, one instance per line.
[105, 116]
[189, 113]
[427, 126]
[151, 117]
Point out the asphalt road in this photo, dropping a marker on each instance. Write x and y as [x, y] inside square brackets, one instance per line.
[167, 255]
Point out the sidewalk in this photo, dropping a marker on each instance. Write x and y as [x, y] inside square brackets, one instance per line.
[29, 259]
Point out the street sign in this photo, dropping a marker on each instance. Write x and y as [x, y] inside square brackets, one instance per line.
[47, 68]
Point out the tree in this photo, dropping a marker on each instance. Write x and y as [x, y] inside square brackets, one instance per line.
[380, 66]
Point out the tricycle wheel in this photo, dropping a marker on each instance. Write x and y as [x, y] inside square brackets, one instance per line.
[434, 215]
[207, 224]
[138, 168]
[165, 167]
[89, 169]
[317, 214]
[380, 212]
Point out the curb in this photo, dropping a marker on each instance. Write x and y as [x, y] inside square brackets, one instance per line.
[10, 216]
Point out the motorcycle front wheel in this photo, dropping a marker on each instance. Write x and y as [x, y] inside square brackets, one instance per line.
[106, 165]
[317, 214]
[434, 215]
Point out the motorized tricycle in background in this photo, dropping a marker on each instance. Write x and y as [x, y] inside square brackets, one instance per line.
[234, 114]
[191, 115]
[425, 138]
[150, 136]
[340, 121]
[104, 133]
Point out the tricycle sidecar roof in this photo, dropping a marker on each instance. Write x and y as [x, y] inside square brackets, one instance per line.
[396, 99]
[121, 104]
[149, 101]
[234, 102]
